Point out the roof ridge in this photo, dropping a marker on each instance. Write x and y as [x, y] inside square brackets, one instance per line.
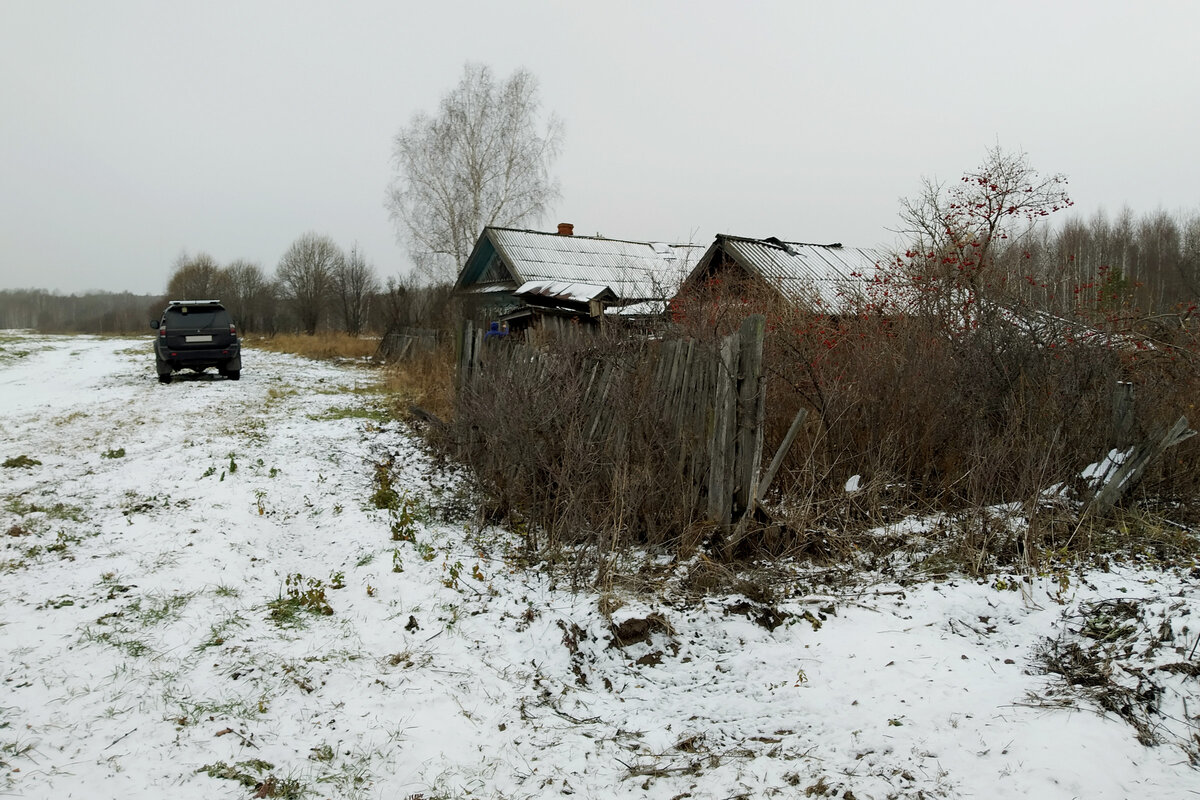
[592, 238]
[776, 242]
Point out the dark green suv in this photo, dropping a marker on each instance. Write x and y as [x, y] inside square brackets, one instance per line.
[196, 335]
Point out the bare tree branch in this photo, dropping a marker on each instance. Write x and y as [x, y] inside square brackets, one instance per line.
[483, 160]
[305, 275]
[354, 284]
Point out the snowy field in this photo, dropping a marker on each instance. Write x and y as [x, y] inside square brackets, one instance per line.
[200, 599]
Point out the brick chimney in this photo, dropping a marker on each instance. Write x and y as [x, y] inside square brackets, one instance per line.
[566, 229]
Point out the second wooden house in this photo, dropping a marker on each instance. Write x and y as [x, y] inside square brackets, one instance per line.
[521, 277]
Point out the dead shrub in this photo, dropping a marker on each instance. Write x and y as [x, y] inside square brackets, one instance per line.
[907, 414]
[917, 413]
[571, 443]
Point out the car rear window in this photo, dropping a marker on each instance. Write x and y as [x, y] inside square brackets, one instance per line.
[197, 317]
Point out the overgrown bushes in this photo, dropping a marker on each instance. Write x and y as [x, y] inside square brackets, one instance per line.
[937, 413]
[908, 414]
[576, 469]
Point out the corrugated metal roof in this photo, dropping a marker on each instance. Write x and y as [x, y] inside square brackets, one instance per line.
[633, 270]
[833, 276]
[560, 290]
[646, 308]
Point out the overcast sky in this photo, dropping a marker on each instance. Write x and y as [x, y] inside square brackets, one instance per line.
[131, 132]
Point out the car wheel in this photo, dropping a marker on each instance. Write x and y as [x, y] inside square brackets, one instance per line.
[234, 374]
[164, 378]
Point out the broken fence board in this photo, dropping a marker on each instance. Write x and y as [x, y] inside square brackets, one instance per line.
[764, 485]
[1120, 481]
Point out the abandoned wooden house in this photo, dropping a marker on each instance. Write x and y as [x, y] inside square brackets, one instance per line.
[824, 278]
[523, 278]
[832, 280]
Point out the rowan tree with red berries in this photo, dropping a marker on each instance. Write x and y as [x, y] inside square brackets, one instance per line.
[956, 231]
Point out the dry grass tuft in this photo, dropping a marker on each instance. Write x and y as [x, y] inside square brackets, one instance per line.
[426, 380]
[324, 345]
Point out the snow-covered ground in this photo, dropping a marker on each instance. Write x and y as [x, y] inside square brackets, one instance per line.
[199, 598]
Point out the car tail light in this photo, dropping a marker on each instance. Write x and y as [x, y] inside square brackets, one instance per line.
[162, 332]
[232, 329]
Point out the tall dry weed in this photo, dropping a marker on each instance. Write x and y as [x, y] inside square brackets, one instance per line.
[578, 467]
[323, 345]
[425, 379]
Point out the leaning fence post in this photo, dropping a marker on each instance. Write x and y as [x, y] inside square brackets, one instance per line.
[751, 410]
[764, 484]
[1122, 418]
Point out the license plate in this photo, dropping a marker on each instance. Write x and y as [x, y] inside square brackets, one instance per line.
[198, 338]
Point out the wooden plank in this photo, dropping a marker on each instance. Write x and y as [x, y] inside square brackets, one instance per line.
[463, 341]
[677, 394]
[598, 400]
[693, 433]
[671, 357]
[661, 357]
[478, 361]
[678, 357]
[764, 484]
[682, 426]
[1130, 472]
[721, 450]
[406, 348]
[619, 419]
[750, 405]
[591, 383]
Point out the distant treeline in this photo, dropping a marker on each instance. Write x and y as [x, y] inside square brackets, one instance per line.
[1149, 263]
[94, 312]
[397, 305]
[316, 287]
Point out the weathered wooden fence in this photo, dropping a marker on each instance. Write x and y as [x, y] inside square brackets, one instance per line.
[709, 398]
[403, 343]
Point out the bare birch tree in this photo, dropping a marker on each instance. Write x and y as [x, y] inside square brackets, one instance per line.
[483, 159]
